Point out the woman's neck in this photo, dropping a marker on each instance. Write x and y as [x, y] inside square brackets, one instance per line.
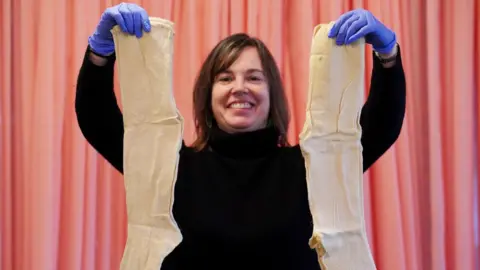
[243, 144]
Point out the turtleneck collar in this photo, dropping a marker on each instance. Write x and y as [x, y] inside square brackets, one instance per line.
[244, 145]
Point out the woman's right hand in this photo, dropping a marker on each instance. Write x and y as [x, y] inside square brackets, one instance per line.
[131, 19]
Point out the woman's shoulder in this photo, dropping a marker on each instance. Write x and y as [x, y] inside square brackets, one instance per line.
[292, 151]
[192, 151]
[293, 148]
[186, 149]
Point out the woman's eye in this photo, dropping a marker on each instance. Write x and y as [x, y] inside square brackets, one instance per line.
[225, 79]
[255, 78]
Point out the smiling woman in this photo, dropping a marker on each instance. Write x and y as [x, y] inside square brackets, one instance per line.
[239, 89]
[240, 100]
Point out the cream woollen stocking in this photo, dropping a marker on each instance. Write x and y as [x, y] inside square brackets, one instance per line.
[153, 138]
[331, 146]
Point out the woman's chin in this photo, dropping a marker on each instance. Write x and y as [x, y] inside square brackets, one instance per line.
[243, 125]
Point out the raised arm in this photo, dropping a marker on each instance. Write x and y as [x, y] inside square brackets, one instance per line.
[98, 114]
[383, 113]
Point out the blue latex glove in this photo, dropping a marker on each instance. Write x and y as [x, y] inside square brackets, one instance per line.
[131, 18]
[361, 23]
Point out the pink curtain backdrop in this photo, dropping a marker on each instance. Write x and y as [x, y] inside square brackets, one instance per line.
[62, 206]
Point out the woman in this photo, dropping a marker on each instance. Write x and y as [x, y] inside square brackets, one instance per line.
[241, 195]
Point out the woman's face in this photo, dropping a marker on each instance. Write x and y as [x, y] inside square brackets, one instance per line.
[240, 95]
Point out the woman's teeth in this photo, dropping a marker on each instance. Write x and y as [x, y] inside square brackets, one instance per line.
[244, 105]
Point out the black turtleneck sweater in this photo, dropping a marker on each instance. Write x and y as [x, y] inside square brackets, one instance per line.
[242, 202]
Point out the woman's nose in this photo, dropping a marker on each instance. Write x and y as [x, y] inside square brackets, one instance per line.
[239, 86]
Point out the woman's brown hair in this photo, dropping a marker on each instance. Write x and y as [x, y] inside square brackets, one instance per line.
[220, 59]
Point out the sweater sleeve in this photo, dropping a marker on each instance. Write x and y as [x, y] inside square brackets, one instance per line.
[384, 110]
[98, 114]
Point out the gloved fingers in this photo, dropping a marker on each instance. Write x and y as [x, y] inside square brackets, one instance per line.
[127, 17]
[137, 24]
[140, 20]
[336, 26]
[372, 21]
[342, 33]
[118, 18]
[353, 29]
[362, 32]
[145, 21]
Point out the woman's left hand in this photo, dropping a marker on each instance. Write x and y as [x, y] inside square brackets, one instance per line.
[361, 23]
